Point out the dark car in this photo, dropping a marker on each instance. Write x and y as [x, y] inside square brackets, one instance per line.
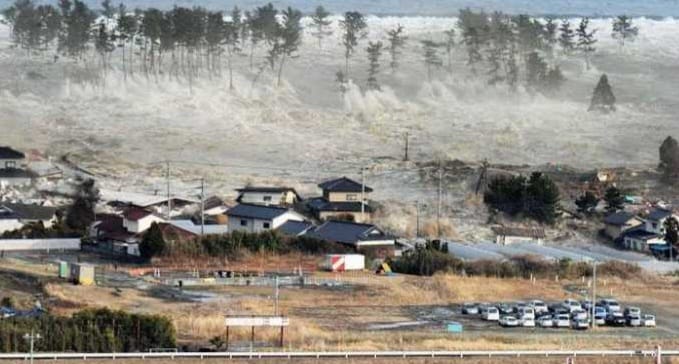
[615, 319]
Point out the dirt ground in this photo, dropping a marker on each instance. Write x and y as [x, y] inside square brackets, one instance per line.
[359, 311]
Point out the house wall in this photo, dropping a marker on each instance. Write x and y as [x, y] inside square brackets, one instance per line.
[614, 231]
[345, 196]
[642, 245]
[327, 215]
[12, 163]
[141, 225]
[258, 198]
[657, 227]
[257, 225]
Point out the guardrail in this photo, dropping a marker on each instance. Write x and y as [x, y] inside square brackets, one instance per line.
[342, 354]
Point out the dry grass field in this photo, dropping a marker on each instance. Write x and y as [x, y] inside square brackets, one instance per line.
[579, 360]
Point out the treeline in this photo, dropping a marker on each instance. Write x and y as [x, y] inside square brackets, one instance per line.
[433, 258]
[536, 197]
[234, 244]
[190, 42]
[88, 331]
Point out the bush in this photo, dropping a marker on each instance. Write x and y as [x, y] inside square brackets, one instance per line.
[619, 269]
[426, 260]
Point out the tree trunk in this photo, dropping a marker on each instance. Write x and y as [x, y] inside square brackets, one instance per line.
[280, 69]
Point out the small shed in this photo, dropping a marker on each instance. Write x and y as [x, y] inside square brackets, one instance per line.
[63, 270]
[343, 262]
[454, 327]
[82, 274]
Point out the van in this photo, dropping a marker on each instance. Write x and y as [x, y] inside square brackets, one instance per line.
[526, 313]
[490, 314]
[610, 305]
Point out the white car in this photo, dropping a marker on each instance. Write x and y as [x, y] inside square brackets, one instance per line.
[527, 322]
[545, 321]
[633, 320]
[538, 306]
[579, 314]
[561, 320]
[629, 311]
[490, 314]
[526, 312]
[509, 321]
[572, 305]
[648, 320]
[610, 305]
[578, 324]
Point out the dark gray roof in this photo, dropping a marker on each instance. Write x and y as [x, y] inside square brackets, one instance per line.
[618, 218]
[9, 153]
[659, 214]
[30, 212]
[347, 232]
[266, 189]
[256, 211]
[343, 184]
[213, 202]
[640, 234]
[321, 204]
[16, 173]
[294, 228]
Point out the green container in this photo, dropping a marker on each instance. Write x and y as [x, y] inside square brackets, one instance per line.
[64, 272]
[454, 327]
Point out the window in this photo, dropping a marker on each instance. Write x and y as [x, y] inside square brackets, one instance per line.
[266, 225]
[655, 225]
[267, 198]
[244, 223]
[352, 197]
[10, 164]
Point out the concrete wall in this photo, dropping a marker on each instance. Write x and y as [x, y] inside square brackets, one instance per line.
[39, 244]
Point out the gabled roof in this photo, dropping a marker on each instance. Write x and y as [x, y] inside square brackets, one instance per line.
[135, 213]
[191, 227]
[294, 228]
[640, 234]
[348, 232]
[9, 153]
[253, 211]
[30, 212]
[619, 218]
[658, 214]
[343, 184]
[272, 189]
[213, 202]
[321, 204]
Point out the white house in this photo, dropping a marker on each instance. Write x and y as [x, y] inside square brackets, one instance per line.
[641, 240]
[619, 222]
[136, 220]
[655, 222]
[258, 218]
[14, 177]
[276, 196]
[362, 237]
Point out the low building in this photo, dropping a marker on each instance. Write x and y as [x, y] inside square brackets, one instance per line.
[254, 218]
[342, 199]
[619, 222]
[136, 220]
[643, 241]
[16, 177]
[14, 216]
[362, 237]
[655, 221]
[506, 235]
[276, 196]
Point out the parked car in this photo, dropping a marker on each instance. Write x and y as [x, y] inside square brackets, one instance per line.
[539, 306]
[648, 320]
[579, 324]
[526, 312]
[587, 305]
[599, 315]
[527, 322]
[509, 321]
[561, 320]
[615, 318]
[633, 320]
[505, 309]
[610, 305]
[470, 309]
[545, 321]
[490, 314]
[632, 311]
[579, 314]
[572, 305]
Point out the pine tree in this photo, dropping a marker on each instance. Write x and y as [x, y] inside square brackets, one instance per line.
[431, 56]
[450, 45]
[232, 40]
[153, 243]
[396, 42]
[321, 23]
[550, 36]
[473, 43]
[587, 202]
[614, 199]
[624, 30]
[291, 37]
[669, 159]
[107, 9]
[566, 36]
[354, 29]
[603, 98]
[671, 232]
[536, 71]
[542, 198]
[374, 51]
[586, 40]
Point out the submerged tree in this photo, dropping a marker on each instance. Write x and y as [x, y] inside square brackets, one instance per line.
[450, 45]
[431, 56]
[586, 40]
[614, 199]
[550, 36]
[354, 29]
[374, 51]
[669, 159]
[290, 37]
[566, 36]
[320, 23]
[587, 202]
[624, 30]
[396, 41]
[602, 98]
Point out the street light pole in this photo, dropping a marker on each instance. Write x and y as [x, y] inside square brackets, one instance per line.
[31, 339]
[593, 308]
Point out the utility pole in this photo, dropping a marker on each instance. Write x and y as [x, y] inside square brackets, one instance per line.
[362, 194]
[405, 158]
[276, 297]
[31, 339]
[417, 218]
[593, 308]
[202, 206]
[169, 200]
[438, 207]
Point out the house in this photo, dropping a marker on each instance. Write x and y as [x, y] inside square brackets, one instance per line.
[14, 216]
[255, 218]
[214, 206]
[137, 220]
[655, 221]
[619, 222]
[11, 159]
[295, 228]
[156, 203]
[506, 235]
[643, 241]
[342, 198]
[362, 237]
[12, 177]
[277, 196]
